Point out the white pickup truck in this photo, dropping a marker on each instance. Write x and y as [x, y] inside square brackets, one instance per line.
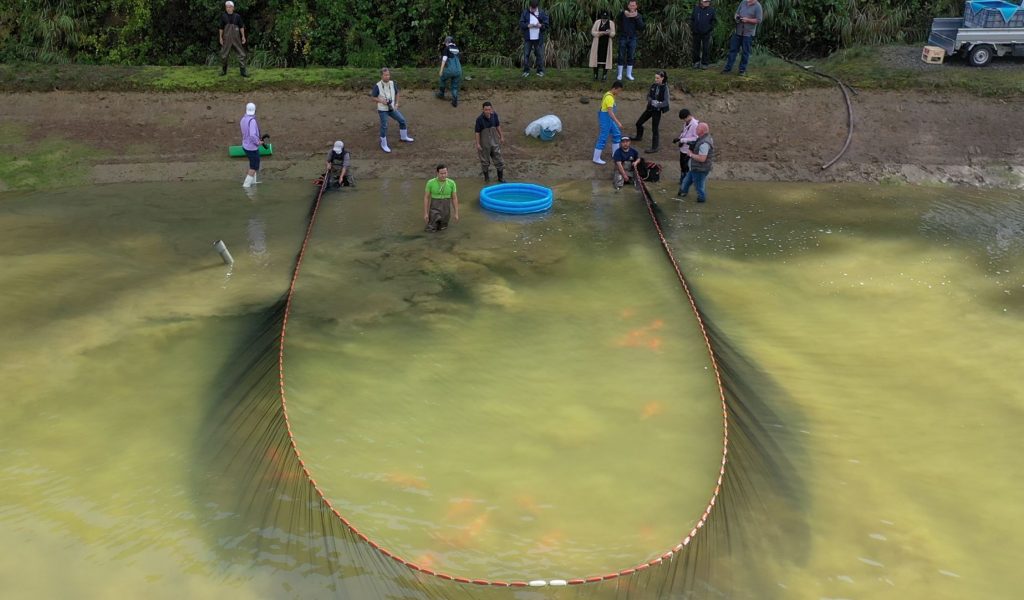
[977, 44]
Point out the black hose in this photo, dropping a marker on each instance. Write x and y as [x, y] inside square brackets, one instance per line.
[846, 89]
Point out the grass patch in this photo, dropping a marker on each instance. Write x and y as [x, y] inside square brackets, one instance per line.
[862, 67]
[44, 165]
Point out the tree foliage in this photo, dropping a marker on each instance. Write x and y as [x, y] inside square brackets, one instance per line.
[408, 32]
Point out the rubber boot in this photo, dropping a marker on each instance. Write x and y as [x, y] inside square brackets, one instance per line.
[440, 94]
[243, 72]
[654, 143]
[604, 74]
[487, 175]
[248, 181]
[597, 157]
[223, 69]
[384, 144]
[629, 72]
[639, 133]
[595, 73]
[404, 134]
[455, 102]
[501, 176]
[615, 147]
[256, 178]
[620, 73]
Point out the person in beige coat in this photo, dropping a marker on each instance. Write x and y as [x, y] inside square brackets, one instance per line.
[601, 47]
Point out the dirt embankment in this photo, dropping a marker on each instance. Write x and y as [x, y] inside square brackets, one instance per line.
[899, 136]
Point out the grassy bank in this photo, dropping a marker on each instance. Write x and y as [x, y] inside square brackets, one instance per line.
[865, 68]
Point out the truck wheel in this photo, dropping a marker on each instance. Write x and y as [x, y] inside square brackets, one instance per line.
[980, 55]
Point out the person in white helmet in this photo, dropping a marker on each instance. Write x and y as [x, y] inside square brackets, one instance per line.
[251, 141]
[339, 166]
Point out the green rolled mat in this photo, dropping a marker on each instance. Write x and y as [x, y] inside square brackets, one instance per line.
[239, 151]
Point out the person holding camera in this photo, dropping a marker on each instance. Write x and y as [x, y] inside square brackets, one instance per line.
[701, 161]
[251, 141]
[748, 15]
[686, 137]
[385, 96]
[657, 104]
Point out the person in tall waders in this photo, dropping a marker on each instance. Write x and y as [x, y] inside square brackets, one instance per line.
[488, 143]
[657, 105]
[702, 25]
[608, 123]
[385, 96]
[601, 46]
[440, 201]
[251, 141]
[339, 167]
[232, 37]
[685, 138]
[627, 162]
[630, 26]
[451, 70]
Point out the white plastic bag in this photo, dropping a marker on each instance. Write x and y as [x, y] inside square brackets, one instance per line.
[544, 127]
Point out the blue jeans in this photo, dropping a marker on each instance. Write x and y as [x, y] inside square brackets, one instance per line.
[537, 48]
[627, 51]
[394, 114]
[735, 41]
[697, 178]
[606, 127]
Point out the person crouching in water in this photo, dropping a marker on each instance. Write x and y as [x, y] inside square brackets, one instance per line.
[627, 161]
[440, 201]
[451, 70]
[339, 166]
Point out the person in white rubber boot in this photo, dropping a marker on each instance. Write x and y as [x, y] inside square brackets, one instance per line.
[385, 96]
[251, 143]
[608, 123]
[630, 26]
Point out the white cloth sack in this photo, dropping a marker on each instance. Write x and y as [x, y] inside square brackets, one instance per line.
[549, 122]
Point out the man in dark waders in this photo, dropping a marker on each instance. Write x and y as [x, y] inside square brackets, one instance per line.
[440, 201]
[232, 37]
[488, 143]
[339, 167]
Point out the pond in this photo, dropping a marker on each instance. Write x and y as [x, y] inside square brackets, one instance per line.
[519, 398]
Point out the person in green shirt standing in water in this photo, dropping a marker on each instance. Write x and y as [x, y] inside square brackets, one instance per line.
[440, 201]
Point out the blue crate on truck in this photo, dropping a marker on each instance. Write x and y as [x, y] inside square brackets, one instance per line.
[993, 14]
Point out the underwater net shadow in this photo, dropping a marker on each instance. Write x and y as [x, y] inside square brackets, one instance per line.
[265, 509]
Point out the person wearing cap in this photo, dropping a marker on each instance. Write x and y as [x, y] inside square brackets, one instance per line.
[488, 143]
[451, 70]
[251, 143]
[657, 104]
[701, 162]
[534, 24]
[686, 137]
[232, 37]
[702, 24]
[608, 123]
[748, 15]
[338, 166]
[631, 24]
[385, 96]
[601, 46]
[440, 201]
[627, 161]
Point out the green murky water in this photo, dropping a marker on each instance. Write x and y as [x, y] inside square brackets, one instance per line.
[518, 396]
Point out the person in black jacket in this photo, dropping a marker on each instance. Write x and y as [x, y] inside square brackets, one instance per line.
[534, 24]
[657, 104]
[631, 23]
[702, 25]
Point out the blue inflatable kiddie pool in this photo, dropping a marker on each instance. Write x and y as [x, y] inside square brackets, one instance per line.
[516, 198]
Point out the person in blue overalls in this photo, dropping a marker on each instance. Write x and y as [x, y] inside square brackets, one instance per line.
[608, 123]
[451, 70]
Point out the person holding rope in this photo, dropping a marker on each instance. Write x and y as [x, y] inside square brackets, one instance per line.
[440, 201]
[701, 162]
[657, 104]
[232, 37]
[385, 96]
[339, 166]
[748, 15]
[627, 163]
